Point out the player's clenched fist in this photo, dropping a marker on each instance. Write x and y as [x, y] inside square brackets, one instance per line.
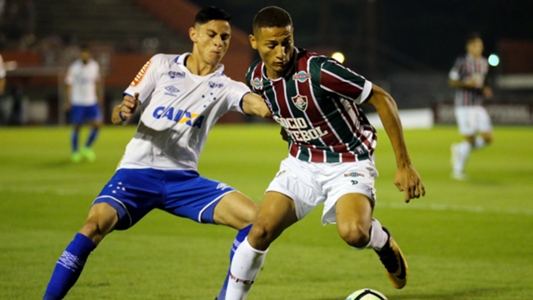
[123, 112]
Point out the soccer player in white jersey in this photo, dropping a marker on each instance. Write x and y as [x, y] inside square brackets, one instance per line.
[331, 151]
[182, 98]
[83, 101]
[469, 77]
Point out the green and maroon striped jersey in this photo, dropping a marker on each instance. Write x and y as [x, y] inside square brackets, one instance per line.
[468, 67]
[318, 105]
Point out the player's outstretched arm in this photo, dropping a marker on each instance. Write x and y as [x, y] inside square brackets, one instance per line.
[407, 179]
[124, 110]
[253, 104]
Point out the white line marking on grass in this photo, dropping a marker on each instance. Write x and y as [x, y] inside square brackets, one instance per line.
[42, 190]
[458, 208]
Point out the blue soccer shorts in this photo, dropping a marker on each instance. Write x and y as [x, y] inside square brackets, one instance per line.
[135, 192]
[84, 114]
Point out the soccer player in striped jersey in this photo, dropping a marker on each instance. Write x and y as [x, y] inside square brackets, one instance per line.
[469, 77]
[182, 98]
[331, 151]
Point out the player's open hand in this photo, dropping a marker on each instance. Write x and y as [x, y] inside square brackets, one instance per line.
[125, 110]
[408, 181]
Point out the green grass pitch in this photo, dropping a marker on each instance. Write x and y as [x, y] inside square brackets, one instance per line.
[464, 240]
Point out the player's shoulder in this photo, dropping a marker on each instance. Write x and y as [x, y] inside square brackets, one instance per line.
[163, 59]
[94, 63]
[461, 58]
[313, 59]
[225, 82]
[75, 64]
[256, 64]
[254, 71]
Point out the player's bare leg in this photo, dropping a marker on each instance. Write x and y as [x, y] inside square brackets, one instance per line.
[276, 213]
[357, 228]
[354, 219]
[235, 210]
[101, 220]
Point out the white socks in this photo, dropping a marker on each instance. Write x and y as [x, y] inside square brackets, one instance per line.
[463, 152]
[378, 237]
[247, 262]
[479, 143]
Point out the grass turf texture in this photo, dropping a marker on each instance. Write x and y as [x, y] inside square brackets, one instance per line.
[464, 240]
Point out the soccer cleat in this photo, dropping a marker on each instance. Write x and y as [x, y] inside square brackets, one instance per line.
[88, 154]
[392, 258]
[75, 157]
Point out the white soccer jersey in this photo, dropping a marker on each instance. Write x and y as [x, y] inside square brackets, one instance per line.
[2, 69]
[83, 78]
[179, 109]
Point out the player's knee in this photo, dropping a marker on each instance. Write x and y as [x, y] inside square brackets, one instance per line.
[260, 236]
[354, 235]
[93, 230]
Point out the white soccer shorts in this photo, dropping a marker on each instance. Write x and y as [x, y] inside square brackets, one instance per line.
[472, 119]
[310, 184]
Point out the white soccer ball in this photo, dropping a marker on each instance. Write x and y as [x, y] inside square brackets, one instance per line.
[366, 294]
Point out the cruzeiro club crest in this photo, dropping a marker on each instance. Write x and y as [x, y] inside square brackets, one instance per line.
[300, 102]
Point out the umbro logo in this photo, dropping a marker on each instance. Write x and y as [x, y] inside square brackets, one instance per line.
[222, 186]
[215, 85]
[172, 89]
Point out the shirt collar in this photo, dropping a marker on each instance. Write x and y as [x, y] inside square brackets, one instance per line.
[180, 60]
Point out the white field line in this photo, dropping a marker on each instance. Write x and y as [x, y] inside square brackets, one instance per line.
[42, 190]
[457, 208]
[411, 206]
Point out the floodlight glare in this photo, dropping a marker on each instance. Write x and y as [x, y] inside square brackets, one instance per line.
[494, 60]
[338, 56]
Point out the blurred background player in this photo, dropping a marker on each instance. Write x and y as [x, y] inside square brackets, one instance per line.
[84, 101]
[469, 77]
[331, 151]
[3, 117]
[2, 76]
[183, 96]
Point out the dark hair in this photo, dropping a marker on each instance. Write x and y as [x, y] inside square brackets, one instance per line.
[85, 48]
[271, 16]
[210, 13]
[472, 36]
